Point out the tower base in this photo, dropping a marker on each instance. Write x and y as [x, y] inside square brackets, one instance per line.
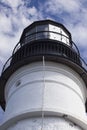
[47, 123]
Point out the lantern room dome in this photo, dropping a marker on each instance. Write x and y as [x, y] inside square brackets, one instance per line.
[46, 29]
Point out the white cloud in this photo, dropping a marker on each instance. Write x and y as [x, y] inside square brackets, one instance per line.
[58, 6]
[14, 17]
[7, 45]
[12, 3]
[5, 23]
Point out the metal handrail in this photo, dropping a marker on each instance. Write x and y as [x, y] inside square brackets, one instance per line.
[83, 63]
[18, 46]
[75, 48]
[7, 64]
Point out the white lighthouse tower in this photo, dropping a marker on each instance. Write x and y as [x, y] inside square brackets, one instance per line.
[43, 84]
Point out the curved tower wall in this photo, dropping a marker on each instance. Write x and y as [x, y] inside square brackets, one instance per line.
[38, 90]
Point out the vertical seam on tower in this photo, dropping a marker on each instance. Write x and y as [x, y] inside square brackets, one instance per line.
[42, 111]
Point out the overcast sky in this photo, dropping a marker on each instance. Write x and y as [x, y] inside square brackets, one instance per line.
[15, 15]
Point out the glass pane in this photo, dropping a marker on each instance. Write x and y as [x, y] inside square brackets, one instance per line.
[65, 40]
[33, 30]
[30, 38]
[54, 36]
[42, 35]
[64, 33]
[54, 28]
[42, 28]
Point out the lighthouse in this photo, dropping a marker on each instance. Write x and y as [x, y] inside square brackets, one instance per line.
[43, 85]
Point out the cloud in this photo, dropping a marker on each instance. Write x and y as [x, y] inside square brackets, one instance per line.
[12, 4]
[59, 6]
[79, 34]
[73, 14]
[14, 17]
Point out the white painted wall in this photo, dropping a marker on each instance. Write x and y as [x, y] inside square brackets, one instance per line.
[52, 89]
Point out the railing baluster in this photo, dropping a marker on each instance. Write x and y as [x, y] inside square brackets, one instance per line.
[47, 47]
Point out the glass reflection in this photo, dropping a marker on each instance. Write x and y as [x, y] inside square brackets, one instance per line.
[47, 32]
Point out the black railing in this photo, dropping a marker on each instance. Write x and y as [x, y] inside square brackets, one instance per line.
[46, 35]
[49, 48]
